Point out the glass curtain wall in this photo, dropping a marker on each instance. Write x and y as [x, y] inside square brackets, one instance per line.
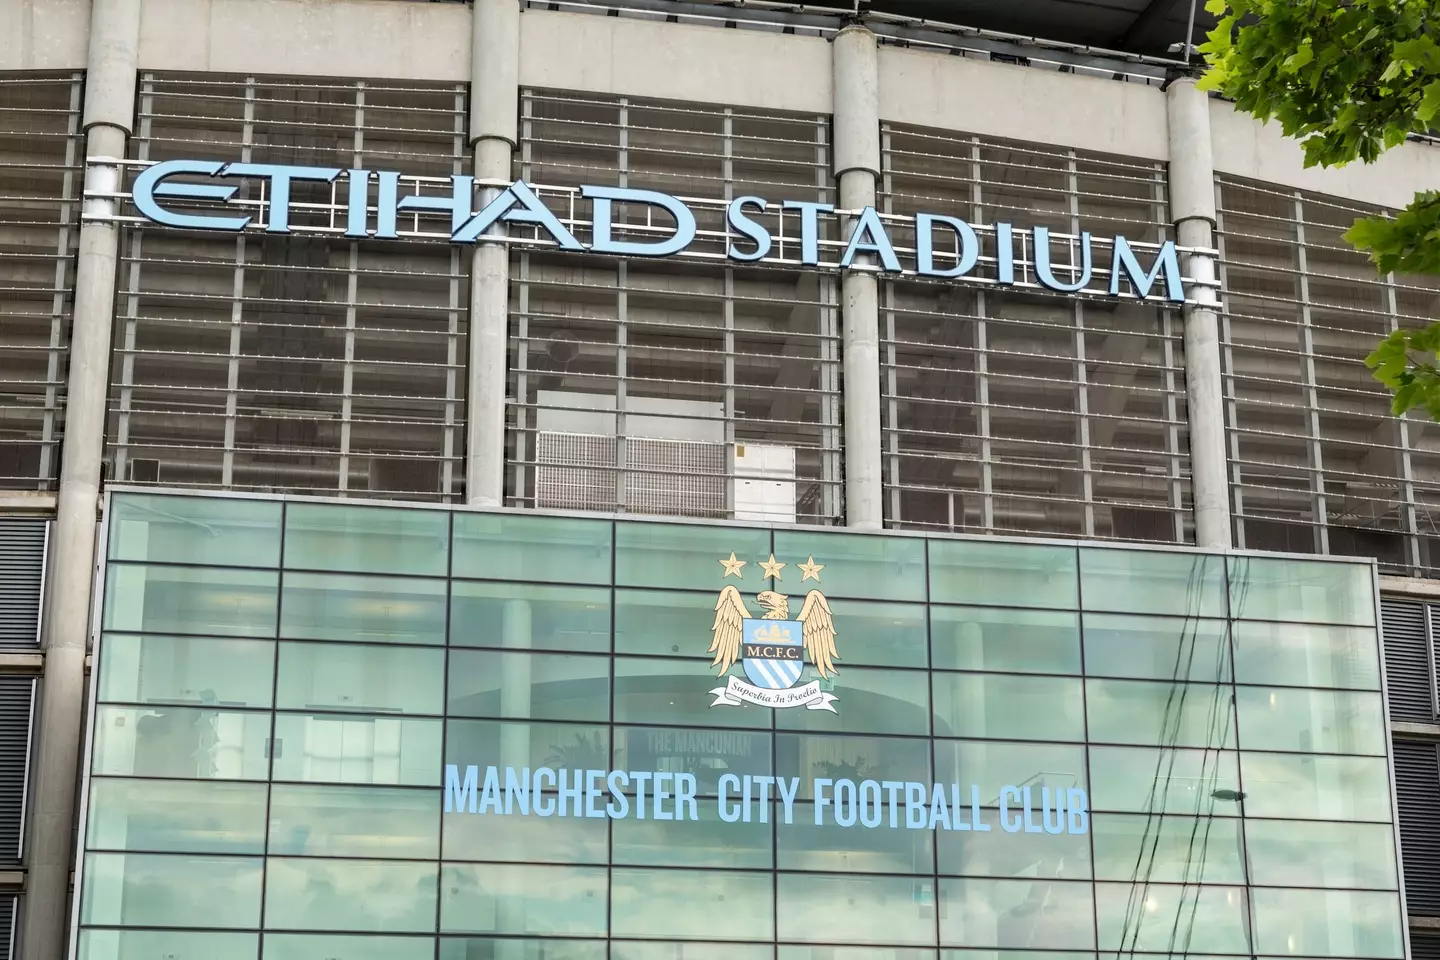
[292, 695]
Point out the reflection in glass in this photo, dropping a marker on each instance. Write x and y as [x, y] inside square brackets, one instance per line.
[540, 686]
[856, 565]
[186, 670]
[691, 904]
[1035, 913]
[362, 678]
[1315, 787]
[1155, 648]
[1009, 641]
[487, 743]
[1328, 923]
[994, 764]
[364, 539]
[786, 952]
[1167, 849]
[1172, 714]
[1287, 654]
[566, 839]
[995, 853]
[708, 754]
[481, 948]
[882, 634]
[309, 946]
[640, 950]
[212, 531]
[340, 749]
[845, 909]
[1137, 581]
[527, 617]
[224, 603]
[1302, 591]
[167, 890]
[1287, 853]
[489, 898]
[1165, 780]
[321, 606]
[998, 573]
[849, 758]
[652, 690]
[330, 821]
[519, 546]
[180, 742]
[372, 895]
[1003, 706]
[1311, 721]
[1171, 919]
[687, 557]
[802, 845]
[874, 700]
[209, 945]
[707, 842]
[664, 622]
[174, 816]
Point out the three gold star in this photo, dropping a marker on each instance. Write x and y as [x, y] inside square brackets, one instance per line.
[771, 568]
[810, 570]
[732, 566]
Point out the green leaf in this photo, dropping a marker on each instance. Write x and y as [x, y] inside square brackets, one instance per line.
[1299, 58]
[1429, 103]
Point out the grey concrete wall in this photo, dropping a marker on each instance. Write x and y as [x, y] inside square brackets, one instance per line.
[44, 34]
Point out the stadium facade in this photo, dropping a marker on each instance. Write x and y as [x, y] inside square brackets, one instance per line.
[652, 480]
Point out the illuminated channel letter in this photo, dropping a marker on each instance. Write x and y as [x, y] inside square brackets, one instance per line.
[602, 200]
[1046, 276]
[529, 210]
[738, 221]
[870, 237]
[969, 244]
[1165, 261]
[280, 176]
[809, 228]
[357, 201]
[150, 184]
[1004, 254]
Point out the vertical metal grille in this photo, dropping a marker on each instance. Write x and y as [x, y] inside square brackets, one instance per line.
[1417, 788]
[648, 386]
[1409, 668]
[22, 582]
[1317, 463]
[17, 695]
[41, 173]
[295, 363]
[1029, 413]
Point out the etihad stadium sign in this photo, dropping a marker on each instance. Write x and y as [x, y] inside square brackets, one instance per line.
[628, 222]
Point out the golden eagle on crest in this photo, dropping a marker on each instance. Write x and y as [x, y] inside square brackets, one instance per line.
[817, 627]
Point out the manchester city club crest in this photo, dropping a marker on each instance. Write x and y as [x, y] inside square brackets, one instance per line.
[774, 648]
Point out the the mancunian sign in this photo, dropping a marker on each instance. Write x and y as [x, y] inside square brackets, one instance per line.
[176, 193]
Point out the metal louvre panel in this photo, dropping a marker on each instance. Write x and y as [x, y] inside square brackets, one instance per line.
[16, 696]
[1318, 464]
[298, 363]
[1417, 786]
[1024, 412]
[681, 360]
[41, 172]
[8, 910]
[22, 581]
[1424, 946]
[1407, 658]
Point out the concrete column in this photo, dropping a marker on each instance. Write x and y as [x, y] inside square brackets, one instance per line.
[856, 69]
[494, 108]
[108, 116]
[1192, 207]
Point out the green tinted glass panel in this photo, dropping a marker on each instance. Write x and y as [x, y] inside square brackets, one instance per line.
[1002, 574]
[1007, 707]
[525, 686]
[1311, 721]
[1136, 581]
[171, 890]
[180, 742]
[334, 748]
[1155, 648]
[1151, 712]
[1039, 912]
[992, 765]
[1316, 788]
[874, 701]
[322, 536]
[319, 606]
[1328, 923]
[1168, 849]
[367, 679]
[525, 617]
[855, 834]
[335, 821]
[206, 944]
[1289, 853]
[157, 599]
[812, 756]
[664, 622]
[1313, 655]
[176, 816]
[201, 530]
[309, 946]
[510, 546]
[368, 895]
[1011, 641]
[517, 837]
[663, 950]
[706, 752]
[1210, 919]
[1164, 780]
[680, 904]
[707, 842]
[491, 898]
[654, 690]
[487, 743]
[179, 670]
[998, 853]
[785, 952]
[880, 634]
[688, 557]
[875, 909]
[468, 948]
[855, 565]
[1304, 591]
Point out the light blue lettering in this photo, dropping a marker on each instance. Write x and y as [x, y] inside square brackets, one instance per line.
[870, 237]
[685, 797]
[764, 783]
[821, 801]
[736, 218]
[870, 803]
[569, 791]
[968, 246]
[387, 198]
[490, 801]
[787, 796]
[280, 176]
[745, 799]
[892, 797]
[602, 198]
[547, 808]
[517, 791]
[1008, 825]
[662, 793]
[976, 824]
[1058, 805]
[845, 803]
[357, 214]
[1004, 254]
[617, 808]
[1076, 804]
[1166, 261]
[530, 210]
[1031, 825]
[457, 204]
[150, 183]
[955, 808]
[809, 228]
[1046, 275]
[593, 779]
[641, 778]
[731, 813]
[460, 798]
[915, 813]
[939, 813]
